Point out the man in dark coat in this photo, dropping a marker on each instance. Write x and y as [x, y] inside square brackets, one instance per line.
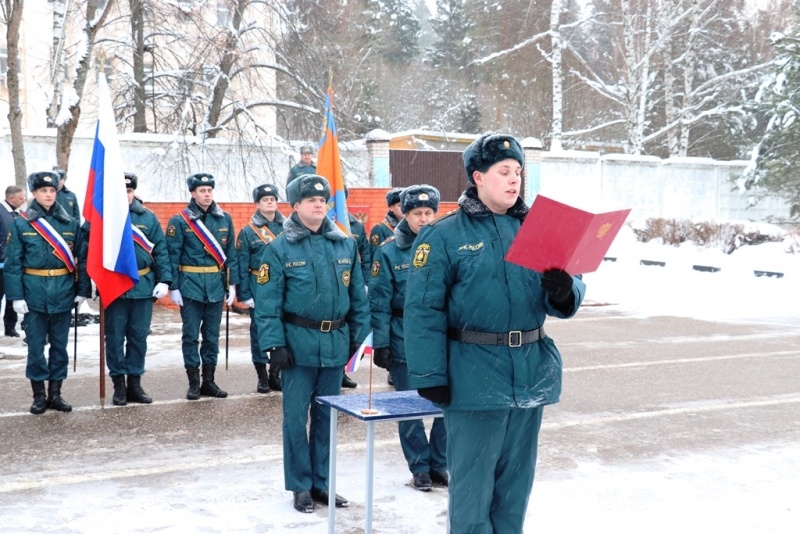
[384, 230]
[312, 314]
[15, 197]
[264, 226]
[201, 242]
[478, 347]
[306, 165]
[65, 197]
[45, 277]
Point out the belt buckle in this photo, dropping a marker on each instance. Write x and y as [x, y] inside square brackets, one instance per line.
[515, 338]
[325, 326]
[206, 269]
[51, 272]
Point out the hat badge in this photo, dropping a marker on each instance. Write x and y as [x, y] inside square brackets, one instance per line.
[506, 144]
[318, 186]
[423, 196]
[204, 179]
[47, 179]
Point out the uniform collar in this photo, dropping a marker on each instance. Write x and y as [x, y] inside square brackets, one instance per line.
[474, 207]
[259, 219]
[403, 236]
[195, 212]
[36, 211]
[296, 231]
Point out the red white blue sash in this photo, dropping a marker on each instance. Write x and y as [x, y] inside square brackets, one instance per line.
[206, 237]
[60, 248]
[263, 232]
[140, 239]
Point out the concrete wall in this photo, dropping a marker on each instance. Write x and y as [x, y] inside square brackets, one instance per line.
[690, 188]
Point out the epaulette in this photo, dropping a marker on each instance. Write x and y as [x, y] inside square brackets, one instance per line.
[387, 240]
[445, 216]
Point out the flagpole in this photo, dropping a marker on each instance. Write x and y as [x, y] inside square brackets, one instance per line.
[102, 355]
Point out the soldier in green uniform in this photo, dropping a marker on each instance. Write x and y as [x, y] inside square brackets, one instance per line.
[312, 314]
[127, 319]
[201, 242]
[387, 291]
[45, 277]
[265, 224]
[65, 197]
[478, 347]
[306, 165]
[384, 230]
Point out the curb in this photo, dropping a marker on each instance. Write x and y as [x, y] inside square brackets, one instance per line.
[701, 268]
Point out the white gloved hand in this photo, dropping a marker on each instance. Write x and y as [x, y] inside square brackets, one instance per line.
[250, 303]
[160, 290]
[175, 297]
[79, 300]
[231, 295]
[20, 306]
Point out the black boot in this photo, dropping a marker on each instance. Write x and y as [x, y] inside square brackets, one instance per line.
[194, 384]
[135, 393]
[209, 388]
[54, 399]
[275, 380]
[39, 397]
[263, 380]
[119, 398]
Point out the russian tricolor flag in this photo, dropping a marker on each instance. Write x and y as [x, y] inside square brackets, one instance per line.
[364, 350]
[111, 261]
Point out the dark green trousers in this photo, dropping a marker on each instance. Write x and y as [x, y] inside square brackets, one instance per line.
[127, 324]
[258, 355]
[38, 328]
[492, 458]
[200, 319]
[306, 453]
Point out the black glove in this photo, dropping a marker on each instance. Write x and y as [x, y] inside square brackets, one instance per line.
[436, 394]
[558, 285]
[280, 358]
[383, 358]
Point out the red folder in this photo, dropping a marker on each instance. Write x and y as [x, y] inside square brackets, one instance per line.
[559, 236]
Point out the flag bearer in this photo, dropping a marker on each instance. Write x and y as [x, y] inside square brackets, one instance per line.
[312, 314]
[202, 251]
[478, 347]
[265, 224]
[387, 293]
[45, 277]
[127, 319]
[384, 230]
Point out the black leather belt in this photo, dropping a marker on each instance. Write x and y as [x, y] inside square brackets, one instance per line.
[515, 338]
[397, 312]
[322, 326]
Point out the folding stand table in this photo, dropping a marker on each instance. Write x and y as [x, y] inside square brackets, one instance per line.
[391, 406]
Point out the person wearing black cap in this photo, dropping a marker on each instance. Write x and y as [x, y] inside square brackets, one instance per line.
[201, 242]
[478, 347]
[127, 319]
[45, 277]
[65, 197]
[265, 224]
[387, 291]
[312, 314]
[306, 165]
[384, 230]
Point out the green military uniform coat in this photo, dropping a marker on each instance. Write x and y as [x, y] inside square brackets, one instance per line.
[364, 249]
[253, 239]
[459, 279]
[383, 230]
[69, 202]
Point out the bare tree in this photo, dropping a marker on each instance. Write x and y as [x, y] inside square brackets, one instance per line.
[12, 14]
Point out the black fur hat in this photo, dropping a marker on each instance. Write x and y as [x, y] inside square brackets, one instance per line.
[418, 196]
[307, 186]
[131, 180]
[266, 190]
[201, 178]
[37, 180]
[488, 149]
[393, 196]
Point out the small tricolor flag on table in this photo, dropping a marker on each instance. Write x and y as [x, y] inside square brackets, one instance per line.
[364, 350]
